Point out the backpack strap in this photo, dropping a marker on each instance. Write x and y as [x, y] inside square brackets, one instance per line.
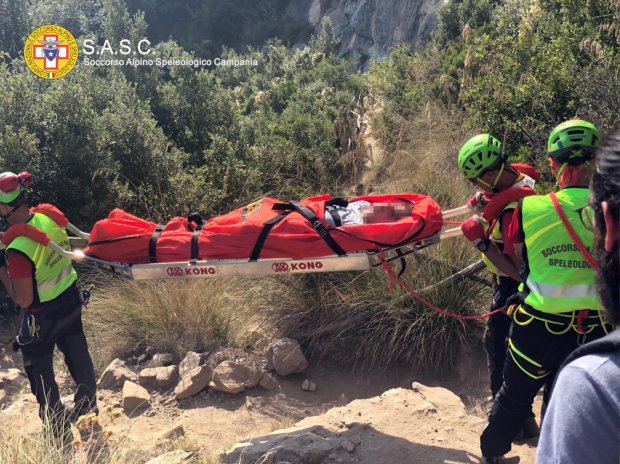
[319, 227]
[153, 243]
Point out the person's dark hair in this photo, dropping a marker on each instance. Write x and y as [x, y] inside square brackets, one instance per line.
[605, 186]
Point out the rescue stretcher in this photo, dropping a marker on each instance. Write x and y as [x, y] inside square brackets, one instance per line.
[214, 268]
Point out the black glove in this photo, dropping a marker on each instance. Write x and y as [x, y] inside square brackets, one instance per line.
[3, 257]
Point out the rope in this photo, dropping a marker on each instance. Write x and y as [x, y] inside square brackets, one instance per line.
[457, 223]
[569, 228]
[417, 296]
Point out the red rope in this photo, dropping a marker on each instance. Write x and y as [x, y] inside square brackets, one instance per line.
[569, 228]
[453, 222]
[418, 297]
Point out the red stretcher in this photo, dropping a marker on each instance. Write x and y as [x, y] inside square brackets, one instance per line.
[267, 237]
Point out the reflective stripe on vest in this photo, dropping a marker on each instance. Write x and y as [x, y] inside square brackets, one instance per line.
[559, 278]
[53, 272]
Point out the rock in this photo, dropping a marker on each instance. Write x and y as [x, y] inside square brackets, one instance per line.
[173, 433]
[312, 446]
[6, 359]
[368, 29]
[115, 376]
[308, 385]
[21, 406]
[172, 457]
[147, 376]
[285, 356]
[159, 377]
[12, 379]
[143, 357]
[135, 397]
[344, 435]
[348, 446]
[163, 359]
[192, 360]
[193, 382]
[256, 339]
[268, 382]
[232, 377]
[254, 403]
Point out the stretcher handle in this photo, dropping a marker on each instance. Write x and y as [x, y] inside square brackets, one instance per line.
[76, 254]
[450, 233]
[77, 232]
[455, 212]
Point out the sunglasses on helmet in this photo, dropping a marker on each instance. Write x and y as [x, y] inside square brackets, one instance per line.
[12, 182]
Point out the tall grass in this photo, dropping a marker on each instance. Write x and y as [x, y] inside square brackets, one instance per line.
[128, 317]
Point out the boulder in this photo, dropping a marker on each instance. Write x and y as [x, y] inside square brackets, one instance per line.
[192, 360]
[312, 445]
[285, 357]
[159, 377]
[163, 359]
[193, 382]
[135, 396]
[232, 377]
[115, 376]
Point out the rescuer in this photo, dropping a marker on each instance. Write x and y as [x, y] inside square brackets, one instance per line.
[481, 160]
[558, 308]
[43, 284]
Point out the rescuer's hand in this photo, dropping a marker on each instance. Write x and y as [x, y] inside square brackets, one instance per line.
[473, 230]
[477, 202]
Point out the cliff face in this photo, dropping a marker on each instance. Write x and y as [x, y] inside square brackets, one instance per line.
[370, 28]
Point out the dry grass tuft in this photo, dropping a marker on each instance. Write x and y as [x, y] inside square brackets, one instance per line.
[125, 317]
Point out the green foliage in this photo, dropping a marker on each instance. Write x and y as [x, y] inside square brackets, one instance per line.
[544, 73]
[90, 142]
[455, 14]
[14, 27]
[163, 141]
[518, 70]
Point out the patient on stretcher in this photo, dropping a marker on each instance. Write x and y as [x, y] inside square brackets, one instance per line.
[364, 212]
[270, 228]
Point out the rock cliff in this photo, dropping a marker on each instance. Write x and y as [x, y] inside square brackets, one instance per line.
[370, 28]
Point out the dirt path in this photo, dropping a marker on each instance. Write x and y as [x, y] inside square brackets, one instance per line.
[430, 425]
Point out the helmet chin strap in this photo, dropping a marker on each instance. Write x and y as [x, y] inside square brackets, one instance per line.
[493, 187]
[559, 175]
[10, 213]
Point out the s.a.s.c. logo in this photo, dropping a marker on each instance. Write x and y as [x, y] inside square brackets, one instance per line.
[51, 51]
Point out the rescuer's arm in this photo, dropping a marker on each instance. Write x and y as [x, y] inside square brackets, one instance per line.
[502, 262]
[513, 240]
[19, 281]
[4, 276]
[22, 292]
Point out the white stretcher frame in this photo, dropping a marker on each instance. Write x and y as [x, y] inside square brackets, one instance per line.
[200, 269]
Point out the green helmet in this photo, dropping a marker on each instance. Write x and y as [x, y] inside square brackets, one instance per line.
[479, 154]
[10, 187]
[573, 142]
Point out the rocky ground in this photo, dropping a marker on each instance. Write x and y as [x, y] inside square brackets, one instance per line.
[272, 408]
